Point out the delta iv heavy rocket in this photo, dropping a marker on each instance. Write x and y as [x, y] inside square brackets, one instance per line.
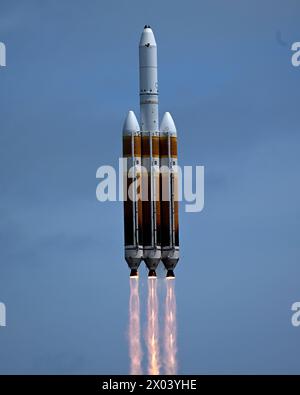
[150, 175]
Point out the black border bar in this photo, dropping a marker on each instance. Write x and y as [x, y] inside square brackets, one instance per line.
[96, 384]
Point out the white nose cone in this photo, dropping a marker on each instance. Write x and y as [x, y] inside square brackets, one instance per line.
[167, 124]
[147, 37]
[131, 124]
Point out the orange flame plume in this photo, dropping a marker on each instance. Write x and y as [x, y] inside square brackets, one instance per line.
[170, 341]
[152, 330]
[135, 348]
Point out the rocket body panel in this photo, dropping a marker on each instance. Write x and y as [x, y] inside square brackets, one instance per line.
[133, 230]
[150, 148]
[169, 193]
[151, 199]
[148, 81]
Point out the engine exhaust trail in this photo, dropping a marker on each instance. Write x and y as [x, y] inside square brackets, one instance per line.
[170, 335]
[152, 328]
[135, 348]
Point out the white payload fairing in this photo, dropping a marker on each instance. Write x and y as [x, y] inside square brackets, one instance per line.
[151, 186]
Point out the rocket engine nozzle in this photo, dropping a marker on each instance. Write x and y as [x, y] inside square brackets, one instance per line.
[170, 274]
[134, 273]
[152, 274]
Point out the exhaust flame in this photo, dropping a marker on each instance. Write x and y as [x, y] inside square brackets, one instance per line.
[170, 341]
[152, 329]
[135, 348]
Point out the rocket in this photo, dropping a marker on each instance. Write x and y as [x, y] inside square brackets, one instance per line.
[150, 176]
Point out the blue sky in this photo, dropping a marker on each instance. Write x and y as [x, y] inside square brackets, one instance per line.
[226, 76]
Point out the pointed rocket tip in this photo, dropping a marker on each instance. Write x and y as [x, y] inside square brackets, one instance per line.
[147, 37]
[131, 123]
[167, 124]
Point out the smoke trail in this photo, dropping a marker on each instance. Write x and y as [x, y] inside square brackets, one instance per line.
[152, 329]
[135, 349]
[170, 341]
